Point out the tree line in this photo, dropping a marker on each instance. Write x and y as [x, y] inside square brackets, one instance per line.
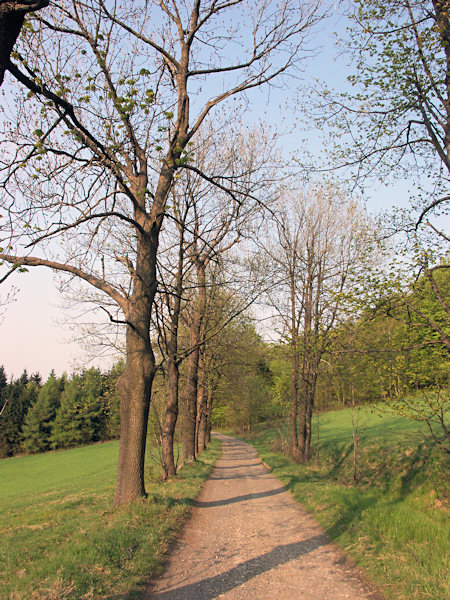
[385, 356]
[61, 412]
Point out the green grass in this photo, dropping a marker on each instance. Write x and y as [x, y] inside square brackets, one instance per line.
[61, 538]
[394, 523]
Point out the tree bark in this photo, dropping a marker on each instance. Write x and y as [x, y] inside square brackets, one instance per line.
[306, 361]
[189, 398]
[170, 420]
[200, 418]
[295, 364]
[209, 404]
[309, 413]
[135, 384]
[202, 421]
[134, 387]
[302, 426]
[12, 15]
[171, 409]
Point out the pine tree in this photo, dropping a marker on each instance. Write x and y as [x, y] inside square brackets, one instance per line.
[111, 401]
[22, 393]
[93, 408]
[40, 417]
[3, 387]
[81, 416]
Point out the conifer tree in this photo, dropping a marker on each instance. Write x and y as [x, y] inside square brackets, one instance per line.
[3, 388]
[22, 394]
[81, 415]
[111, 401]
[40, 417]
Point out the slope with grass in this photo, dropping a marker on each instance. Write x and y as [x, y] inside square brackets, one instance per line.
[394, 522]
[62, 539]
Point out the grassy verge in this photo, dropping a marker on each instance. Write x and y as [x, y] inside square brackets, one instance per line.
[61, 538]
[394, 523]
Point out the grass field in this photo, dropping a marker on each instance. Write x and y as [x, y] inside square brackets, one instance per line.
[394, 523]
[60, 537]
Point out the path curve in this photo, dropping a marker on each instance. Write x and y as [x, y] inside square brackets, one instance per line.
[249, 539]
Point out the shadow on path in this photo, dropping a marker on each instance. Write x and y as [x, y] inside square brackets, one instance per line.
[239, 498]
[212, 587]
[240, 466]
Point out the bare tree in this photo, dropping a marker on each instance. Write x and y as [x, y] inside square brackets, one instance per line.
[218, 224]
[172, 266]
[203, 224]
[319, 248]
[114, 99]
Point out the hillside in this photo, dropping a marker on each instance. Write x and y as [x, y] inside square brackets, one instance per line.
[394, 522]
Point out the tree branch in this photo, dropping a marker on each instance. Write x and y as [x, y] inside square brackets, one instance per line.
[32, 261]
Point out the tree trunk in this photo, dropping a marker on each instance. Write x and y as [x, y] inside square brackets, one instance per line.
[201, 418]
[295, 361]
[355, 421]
[200, 402]
[190, 405]
[310, 397]
[309, 413]
[302, 427]
[170, 420]
[134, 387]
[202, 427]
[135, 384]
[12, 15]
[171, 409]
[190, 391]
[294, 399]
[307, 308]
[209, 402]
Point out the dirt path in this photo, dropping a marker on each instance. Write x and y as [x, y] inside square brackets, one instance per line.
[249, 539]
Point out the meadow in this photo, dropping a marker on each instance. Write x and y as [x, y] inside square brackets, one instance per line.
[61, 537]
[394, 522]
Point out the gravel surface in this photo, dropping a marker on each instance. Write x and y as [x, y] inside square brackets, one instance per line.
[249, 539]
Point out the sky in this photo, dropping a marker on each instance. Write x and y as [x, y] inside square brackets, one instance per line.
[32, 331]
[30, 336]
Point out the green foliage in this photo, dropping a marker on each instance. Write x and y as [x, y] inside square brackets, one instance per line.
[111, 401]
[399, 348]
[242, 395]
[430, 407]
[62, 413]
[281, 385]
[20, 395]
[399, 76]
[3, 387]
[40, 416]
[427, 323]
[80, 418]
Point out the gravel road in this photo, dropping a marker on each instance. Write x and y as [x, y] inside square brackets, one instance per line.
[249, 539]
